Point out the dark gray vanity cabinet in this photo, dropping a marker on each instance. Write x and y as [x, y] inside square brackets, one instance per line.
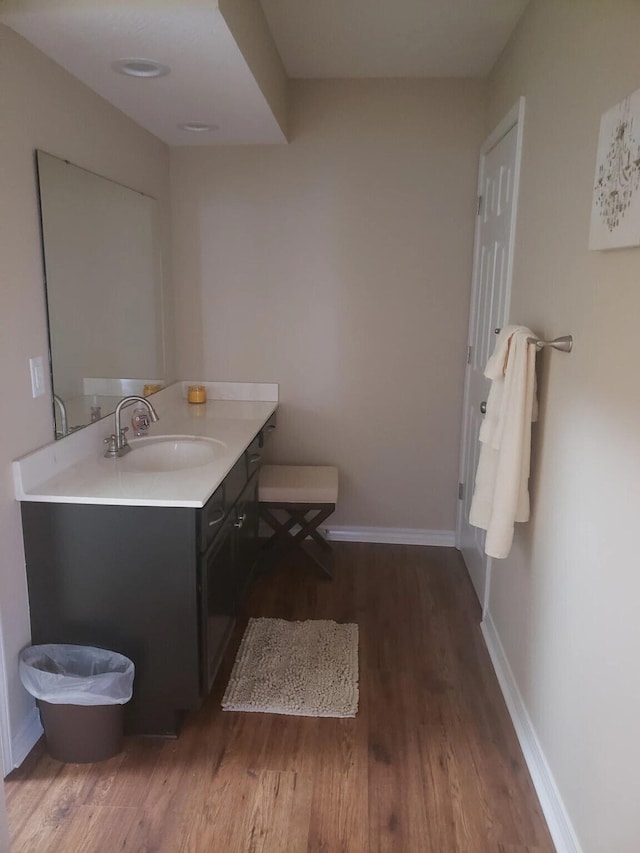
[161, 585]
[121, 578]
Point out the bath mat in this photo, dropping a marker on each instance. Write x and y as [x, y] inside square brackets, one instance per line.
[307, 669]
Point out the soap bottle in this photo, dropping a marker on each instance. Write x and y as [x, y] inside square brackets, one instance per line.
[140, 421]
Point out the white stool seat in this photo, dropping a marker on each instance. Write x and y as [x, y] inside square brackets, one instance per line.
[305, 484]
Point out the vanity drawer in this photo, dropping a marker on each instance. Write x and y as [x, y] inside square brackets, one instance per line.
[226, 495]
[211, 518]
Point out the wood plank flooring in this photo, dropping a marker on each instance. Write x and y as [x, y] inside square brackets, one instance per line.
[430, 764]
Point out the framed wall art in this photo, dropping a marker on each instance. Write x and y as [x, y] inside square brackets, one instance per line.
[615, 212]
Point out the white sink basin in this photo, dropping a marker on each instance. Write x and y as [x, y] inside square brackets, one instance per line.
[171, 453]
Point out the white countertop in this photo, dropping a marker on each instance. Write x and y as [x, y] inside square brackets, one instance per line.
[77, 472]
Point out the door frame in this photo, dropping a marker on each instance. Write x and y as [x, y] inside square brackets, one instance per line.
[515, 117]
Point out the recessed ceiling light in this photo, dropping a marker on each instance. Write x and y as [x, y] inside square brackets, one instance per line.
[197, 126]
[140, 68]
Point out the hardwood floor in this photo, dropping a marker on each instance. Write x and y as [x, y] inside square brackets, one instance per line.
[431, 762]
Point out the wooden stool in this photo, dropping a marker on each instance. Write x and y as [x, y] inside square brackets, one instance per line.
[299, 490]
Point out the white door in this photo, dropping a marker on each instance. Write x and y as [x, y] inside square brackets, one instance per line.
[491, 284]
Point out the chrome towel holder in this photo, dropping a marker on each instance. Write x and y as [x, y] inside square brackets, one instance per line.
[563, 343]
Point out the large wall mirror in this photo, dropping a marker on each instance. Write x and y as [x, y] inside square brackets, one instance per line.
[103, 280]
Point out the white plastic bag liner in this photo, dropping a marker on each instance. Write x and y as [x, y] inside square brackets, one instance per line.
[76, 675]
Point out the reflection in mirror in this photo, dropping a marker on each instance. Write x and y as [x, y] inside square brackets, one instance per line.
[103, 282]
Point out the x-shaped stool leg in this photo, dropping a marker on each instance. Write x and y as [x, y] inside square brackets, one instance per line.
[285, 539]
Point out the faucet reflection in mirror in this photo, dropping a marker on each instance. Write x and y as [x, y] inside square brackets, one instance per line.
[60, 412]
[103, 282]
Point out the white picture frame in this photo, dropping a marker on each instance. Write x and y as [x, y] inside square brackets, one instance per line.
[615, 211]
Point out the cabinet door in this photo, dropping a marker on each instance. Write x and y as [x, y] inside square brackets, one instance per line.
[218, 595]
[247, 536]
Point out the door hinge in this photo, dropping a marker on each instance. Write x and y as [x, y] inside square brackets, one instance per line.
[469, 355]
[460, 491]
[479, 211]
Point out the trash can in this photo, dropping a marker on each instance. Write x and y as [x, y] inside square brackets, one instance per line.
[81, 692]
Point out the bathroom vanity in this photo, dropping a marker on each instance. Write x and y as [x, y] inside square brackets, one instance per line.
[152, 564]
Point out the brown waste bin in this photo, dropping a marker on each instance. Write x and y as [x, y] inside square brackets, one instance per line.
[81, 734]
[81, 692]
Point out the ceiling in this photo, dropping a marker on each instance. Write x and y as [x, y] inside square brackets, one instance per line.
[391, 38]
[210, 79]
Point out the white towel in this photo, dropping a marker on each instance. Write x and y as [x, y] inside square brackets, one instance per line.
[501, 494]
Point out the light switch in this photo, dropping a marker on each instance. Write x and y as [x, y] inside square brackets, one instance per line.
[36, 366]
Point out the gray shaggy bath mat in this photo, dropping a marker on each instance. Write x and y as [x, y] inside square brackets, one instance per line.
[307, 669]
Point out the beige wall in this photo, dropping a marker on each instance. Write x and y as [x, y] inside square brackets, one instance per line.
[339, 266]
[41, 106]
[566, 602]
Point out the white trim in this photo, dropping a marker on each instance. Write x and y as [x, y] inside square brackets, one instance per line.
[5, 743]
[487, 586]
[562, 832]
[513, 117]
[516, 117]
[392, 535]
[30, 733]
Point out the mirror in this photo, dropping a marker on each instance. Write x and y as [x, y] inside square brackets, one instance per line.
[103, 282]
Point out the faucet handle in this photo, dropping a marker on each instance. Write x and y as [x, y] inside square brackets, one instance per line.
[123, 437]
[112, 447]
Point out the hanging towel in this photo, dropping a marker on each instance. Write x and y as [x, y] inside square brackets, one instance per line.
[501, 494]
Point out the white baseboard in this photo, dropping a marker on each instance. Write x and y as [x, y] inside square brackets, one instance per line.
[392, 535]
[29, 734]
[557, 817]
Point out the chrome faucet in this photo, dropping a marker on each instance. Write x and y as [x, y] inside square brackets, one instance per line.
[117, 444]
[64, 425]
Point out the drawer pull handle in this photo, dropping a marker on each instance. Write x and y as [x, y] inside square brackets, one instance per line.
[217, 520]
[262, 434]
[254, 457]
[239, 523]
